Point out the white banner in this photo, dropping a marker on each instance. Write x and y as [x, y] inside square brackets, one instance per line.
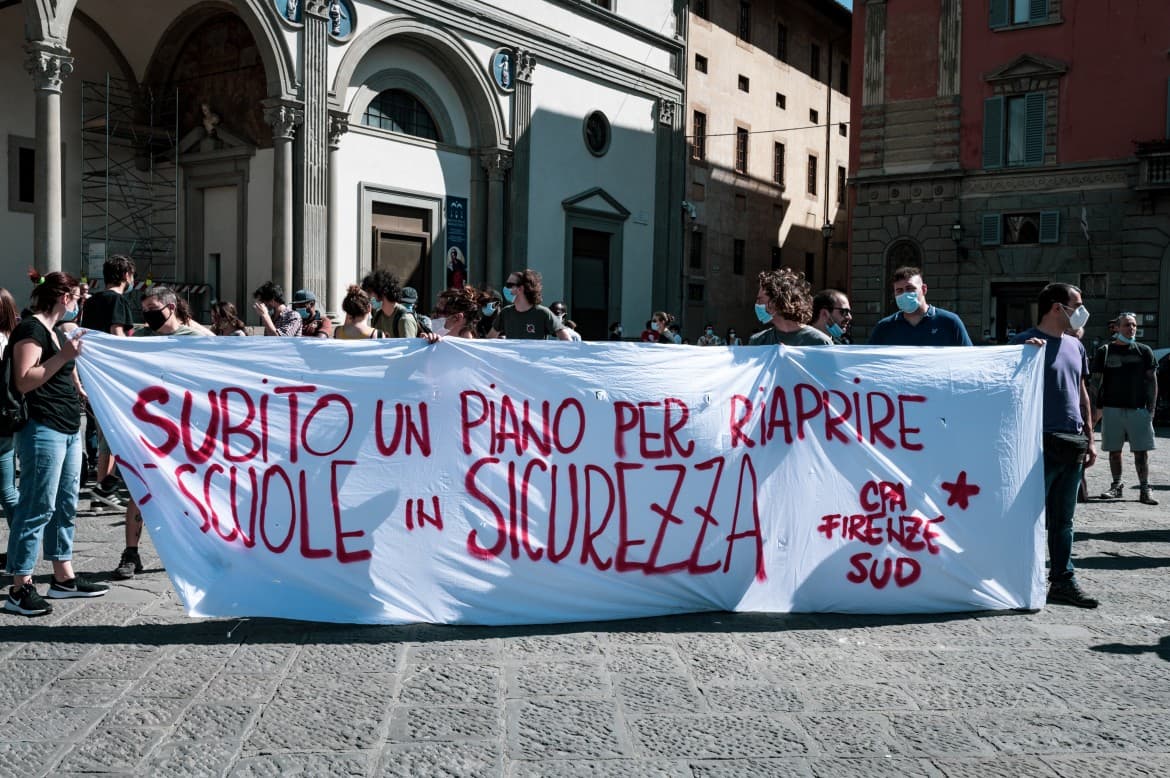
[392, 481]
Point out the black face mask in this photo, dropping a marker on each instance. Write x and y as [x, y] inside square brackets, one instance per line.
[156, 319]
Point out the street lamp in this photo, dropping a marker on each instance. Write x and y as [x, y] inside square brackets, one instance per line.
[827, 232]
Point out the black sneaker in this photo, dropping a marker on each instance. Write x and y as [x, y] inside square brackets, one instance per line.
[25, 601]
[1069, 593]
[129, 566]
[75, 587]
[107, 494]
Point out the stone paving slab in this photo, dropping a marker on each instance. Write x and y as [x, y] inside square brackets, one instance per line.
[128, 685]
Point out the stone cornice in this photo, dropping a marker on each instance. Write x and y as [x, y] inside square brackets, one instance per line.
[483, 20]
[1048, 180]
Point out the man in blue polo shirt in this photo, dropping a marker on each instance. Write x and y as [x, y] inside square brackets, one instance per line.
[916, 323]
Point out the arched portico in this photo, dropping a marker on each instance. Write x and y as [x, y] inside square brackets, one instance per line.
[47, 24]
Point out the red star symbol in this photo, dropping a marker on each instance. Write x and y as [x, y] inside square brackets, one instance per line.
[961, 492]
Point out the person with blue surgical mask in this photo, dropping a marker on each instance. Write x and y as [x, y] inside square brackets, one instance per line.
[784, 303]
[832, 315]
[917, 323]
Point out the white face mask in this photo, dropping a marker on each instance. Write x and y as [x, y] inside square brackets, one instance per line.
[439, 325]
[1078, 318]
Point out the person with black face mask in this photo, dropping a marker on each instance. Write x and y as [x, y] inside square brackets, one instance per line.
[164, 314]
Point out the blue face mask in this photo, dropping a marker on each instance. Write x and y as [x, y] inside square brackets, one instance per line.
[304, 313]
[907, 302]
[654, 326]
[835, 330]
[489, 309]
[1125, 340]
[375, 301]
[762, 313]
[69, 315]
[509, 295]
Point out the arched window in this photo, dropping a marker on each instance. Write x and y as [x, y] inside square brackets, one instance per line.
[399, 111]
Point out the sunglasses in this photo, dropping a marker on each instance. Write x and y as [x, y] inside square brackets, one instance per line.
[844, 311]
[511, 285]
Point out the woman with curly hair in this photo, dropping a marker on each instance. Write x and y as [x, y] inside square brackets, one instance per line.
[225, 320]
[462, 309]
[50, 448]
[357, 307]
[784, 303]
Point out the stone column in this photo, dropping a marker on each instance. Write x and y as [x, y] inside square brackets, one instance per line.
[950, 31]
[874, 73]
[669, 142]
[496, 164]
[311, 268]
[334, 281]
[285, 118]
[49, 64]
[525, 62]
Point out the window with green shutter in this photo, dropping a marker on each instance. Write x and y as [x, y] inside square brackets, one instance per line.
[1011, 13]
[1050, 226]
[1014, 132]
[991, 233]
[993, 132]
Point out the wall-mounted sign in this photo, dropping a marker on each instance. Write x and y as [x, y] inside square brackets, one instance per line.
[455, 258]
[340, 13]
[502, 68]
[290, 10]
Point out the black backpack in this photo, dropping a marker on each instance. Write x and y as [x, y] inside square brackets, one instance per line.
[13, 410]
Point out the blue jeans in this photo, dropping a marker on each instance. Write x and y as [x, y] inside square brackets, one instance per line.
[50, 473]
[8, 493]
[1061, 482]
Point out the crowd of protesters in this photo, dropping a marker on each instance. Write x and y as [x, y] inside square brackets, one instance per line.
[40, 347]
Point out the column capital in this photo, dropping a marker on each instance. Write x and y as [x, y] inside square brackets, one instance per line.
[338, 126]
[319, 8]
[666, 111]
[496, 163]
[525, 62]
[284, 116]
[48, 64]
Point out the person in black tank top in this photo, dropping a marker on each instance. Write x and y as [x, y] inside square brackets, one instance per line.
[49, 447]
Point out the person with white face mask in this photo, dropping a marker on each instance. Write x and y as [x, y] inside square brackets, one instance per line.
[916, 323]
[1068, 430]
[1127, 372]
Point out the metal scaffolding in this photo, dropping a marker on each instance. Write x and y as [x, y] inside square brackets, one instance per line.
[129, 181]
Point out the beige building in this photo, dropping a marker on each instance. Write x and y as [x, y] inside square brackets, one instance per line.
[768, 124]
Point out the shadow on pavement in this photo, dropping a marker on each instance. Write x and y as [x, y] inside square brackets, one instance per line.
[260, 631]
[1161, 649]
[1119, 562]
[1134, 536]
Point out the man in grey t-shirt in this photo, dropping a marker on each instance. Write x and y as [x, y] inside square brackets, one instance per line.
[784, 301]
[525, 318]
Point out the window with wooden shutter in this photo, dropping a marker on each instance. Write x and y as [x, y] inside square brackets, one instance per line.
[992, 230]
[1000, 13]
[993, 132]
[1034, 110]
[1050, 226]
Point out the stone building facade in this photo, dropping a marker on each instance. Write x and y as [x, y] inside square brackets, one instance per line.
[767, 118]
[1007, 144]
[224, 143]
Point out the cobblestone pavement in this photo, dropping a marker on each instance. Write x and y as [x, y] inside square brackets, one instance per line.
[128, 685]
